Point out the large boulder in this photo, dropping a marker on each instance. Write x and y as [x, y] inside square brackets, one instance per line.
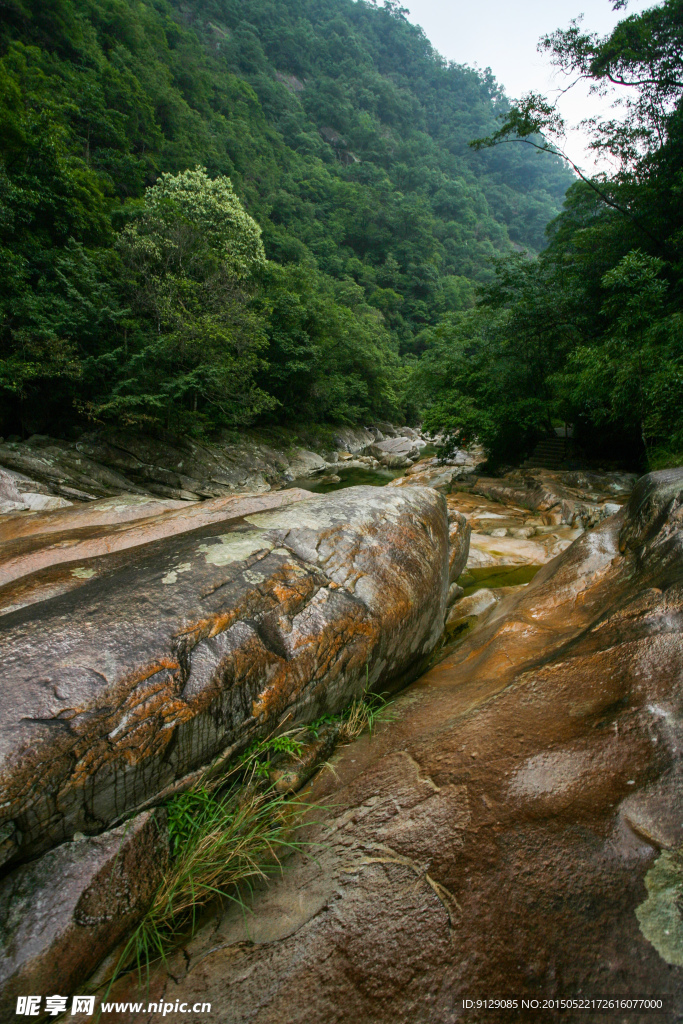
[515, 832]
[353, 439]
[442, 475]
[160, 644]
[306, 464]
[394, 447]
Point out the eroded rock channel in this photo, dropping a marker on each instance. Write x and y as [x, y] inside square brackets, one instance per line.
[516, 828]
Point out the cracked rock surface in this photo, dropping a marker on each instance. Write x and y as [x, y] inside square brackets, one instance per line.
[514, 832]
[138, 649]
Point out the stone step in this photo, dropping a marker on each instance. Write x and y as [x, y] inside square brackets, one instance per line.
[551, 453]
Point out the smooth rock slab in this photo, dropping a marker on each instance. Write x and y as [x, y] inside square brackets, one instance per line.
[43, 555]
[176, 651]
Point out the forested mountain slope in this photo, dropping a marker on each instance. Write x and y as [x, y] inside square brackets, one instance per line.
[345, 137]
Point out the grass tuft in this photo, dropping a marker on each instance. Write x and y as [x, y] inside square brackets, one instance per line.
[230, 832]
[364, 713]
[224, 837]
[217, 845]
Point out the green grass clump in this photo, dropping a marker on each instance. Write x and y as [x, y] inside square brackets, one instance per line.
[218, 844]
[230, 832]
[225, 835]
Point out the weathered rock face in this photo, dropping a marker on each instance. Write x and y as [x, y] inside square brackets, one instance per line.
[116, 463]
[60, 915]
[189, 633]
[44, 473]
[474, 606]
[514, 831]
[566, 498]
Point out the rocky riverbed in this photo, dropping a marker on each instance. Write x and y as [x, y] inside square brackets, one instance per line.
[517, 524]
[515, 828]
[514, 831]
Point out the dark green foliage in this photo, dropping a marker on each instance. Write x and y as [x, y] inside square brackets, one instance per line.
[486, 372]
[345, 136]
[591, 332]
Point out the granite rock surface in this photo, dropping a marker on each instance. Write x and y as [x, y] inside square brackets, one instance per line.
[137, 651]
[516, 830]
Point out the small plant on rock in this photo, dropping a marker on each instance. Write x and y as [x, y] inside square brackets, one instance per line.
[232, 831]
[363, 713]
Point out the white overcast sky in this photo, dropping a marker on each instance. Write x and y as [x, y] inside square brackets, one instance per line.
[503, 34]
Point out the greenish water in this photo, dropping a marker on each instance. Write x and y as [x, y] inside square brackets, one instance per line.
[358, 477]
[493, 576]
[351, 478]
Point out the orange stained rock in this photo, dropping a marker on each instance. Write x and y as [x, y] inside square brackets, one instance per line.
[509, 832]
[173, 652]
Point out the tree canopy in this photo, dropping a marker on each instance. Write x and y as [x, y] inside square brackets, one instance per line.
[239, 211]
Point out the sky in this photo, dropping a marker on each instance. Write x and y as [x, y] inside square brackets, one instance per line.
[503, 34]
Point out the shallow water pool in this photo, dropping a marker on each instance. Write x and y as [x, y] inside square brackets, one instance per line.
[492, 576]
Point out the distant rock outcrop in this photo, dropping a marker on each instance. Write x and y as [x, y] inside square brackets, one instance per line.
[570, 498]
[101, 465]
[44, 473]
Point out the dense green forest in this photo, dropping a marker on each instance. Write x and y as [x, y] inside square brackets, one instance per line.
[234, 212]
[590, 332]
[223, 212]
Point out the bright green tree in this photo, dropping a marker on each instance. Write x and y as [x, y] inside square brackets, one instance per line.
[194, 348]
